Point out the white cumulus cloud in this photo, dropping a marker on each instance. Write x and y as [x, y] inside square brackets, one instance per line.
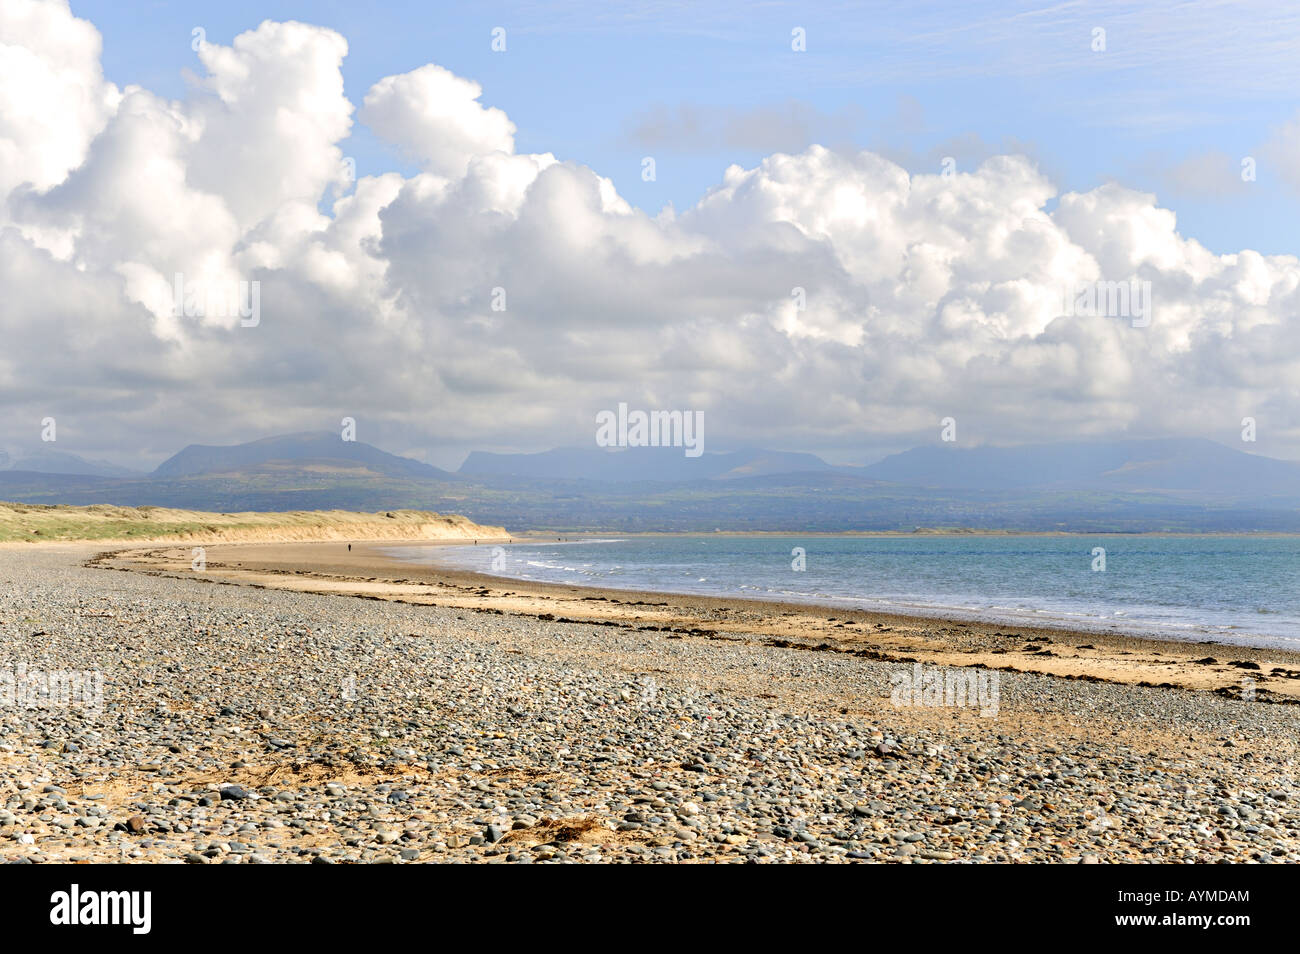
[923, 295]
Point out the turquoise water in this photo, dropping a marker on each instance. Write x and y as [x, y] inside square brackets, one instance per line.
[1236, 589]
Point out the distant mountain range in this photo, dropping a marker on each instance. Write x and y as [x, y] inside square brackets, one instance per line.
[320, 451]
[638, 463]
[1175, 465]
[1169, 484]
[59, 462]
[1170, 464]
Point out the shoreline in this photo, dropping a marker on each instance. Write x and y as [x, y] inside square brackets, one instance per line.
[295, 704]
[1266, 675]
[938, 613]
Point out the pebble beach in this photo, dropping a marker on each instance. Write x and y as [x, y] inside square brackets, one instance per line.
[249, 724]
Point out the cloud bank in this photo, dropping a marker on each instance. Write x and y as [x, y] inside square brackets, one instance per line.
[818, 301]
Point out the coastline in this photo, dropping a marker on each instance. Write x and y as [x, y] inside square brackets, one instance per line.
[1265, 675]
[941, 609]
[294, 704]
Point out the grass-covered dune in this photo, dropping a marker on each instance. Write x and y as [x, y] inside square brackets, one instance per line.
[32, 523]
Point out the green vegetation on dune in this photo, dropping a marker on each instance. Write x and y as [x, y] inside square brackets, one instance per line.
[36, 523]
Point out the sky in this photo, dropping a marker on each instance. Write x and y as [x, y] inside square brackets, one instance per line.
[932, 176]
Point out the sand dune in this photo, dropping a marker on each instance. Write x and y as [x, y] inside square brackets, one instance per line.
[30, 523]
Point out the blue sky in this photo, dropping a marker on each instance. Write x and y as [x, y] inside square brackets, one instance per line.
[1180, 95]
[821, 301]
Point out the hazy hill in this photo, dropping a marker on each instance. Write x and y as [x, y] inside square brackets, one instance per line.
[317, 452]
[1179, 465]
[637, 464]
[1173, 485]
[46, 461]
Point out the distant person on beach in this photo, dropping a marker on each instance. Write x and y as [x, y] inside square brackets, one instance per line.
[349, 548]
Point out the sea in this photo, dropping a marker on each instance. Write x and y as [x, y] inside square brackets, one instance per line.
[1241, 590]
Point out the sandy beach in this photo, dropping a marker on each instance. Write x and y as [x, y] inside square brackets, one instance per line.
[300, 703]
